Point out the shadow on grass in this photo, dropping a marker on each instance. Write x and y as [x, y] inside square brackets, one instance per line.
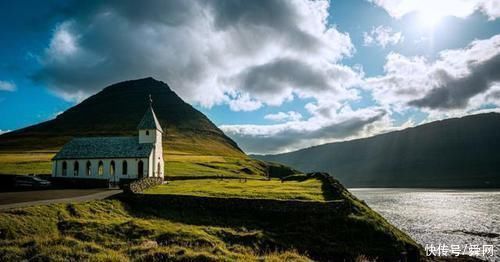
[322, 235]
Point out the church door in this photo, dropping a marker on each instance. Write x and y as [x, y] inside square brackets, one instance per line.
[140, 169]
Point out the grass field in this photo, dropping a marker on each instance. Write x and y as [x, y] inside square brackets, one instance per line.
[113, 230]
[30, 162]
[177, 164]
[109, 231]
[274, 189]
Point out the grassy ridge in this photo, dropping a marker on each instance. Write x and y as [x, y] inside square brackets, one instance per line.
[274, 189]
[110, 231]
[118, 230]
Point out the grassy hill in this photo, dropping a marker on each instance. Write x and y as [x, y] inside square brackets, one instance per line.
[459, 152]
[193, 145]
[123, 230]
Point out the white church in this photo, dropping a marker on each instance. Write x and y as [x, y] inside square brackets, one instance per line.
[114, 158]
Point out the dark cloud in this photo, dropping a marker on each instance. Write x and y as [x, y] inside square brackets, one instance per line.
[195, 46]
[454, 92]
[271, 77]
[261, 15]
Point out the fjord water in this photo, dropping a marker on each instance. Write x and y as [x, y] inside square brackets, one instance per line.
[435, 216]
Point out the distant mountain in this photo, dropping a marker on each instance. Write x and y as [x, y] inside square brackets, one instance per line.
[458, 152]
[116, 110]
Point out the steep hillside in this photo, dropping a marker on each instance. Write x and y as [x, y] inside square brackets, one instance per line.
[116, 110]
[193, 145]
[460, 152]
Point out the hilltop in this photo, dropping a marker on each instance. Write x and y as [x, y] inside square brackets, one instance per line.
[116, 110]
[458, 152]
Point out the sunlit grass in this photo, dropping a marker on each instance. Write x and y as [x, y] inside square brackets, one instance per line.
[107, 231]
[274, 189]
[25, 162]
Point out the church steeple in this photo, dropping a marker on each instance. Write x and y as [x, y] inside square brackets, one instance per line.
[149, 120]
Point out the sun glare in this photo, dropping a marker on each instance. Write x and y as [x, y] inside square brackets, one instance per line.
[429, 19]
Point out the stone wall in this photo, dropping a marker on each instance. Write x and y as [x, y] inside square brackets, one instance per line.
[238, 205]
[142, 184]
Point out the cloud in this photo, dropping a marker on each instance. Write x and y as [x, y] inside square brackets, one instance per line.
[458, 8]
[454, 83]
[7, 86]
[316, 130]
[455, 92]
[240, 102]
[4, 131]
[382, 36]
[282, 116]
[210, 52]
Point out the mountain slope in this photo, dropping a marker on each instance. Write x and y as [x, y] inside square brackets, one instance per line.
[459, 152]
[116, 110]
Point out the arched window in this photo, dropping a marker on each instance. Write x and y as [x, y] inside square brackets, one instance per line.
[64, 168]
[140, 169]
[76, 168]
[124, 167]
[100, 168]
[147, 132]
[112, 168]
[88, 170]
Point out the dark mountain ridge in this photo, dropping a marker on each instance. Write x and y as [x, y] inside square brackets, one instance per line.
[116, 110]
[458, 152]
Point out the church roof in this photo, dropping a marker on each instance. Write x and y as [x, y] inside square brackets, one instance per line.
[149, 121]
[104, 147]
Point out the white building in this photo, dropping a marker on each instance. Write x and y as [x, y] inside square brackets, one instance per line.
[114, 158]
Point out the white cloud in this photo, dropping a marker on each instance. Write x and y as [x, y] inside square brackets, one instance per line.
[458, 8]
[284, 116]
[382, 36]
[457, 82]
[4, 131]
[7, 86]
[292, 135]
[243, 103]
[207, 51]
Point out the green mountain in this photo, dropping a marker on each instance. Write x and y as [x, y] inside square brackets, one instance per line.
[116, 110]
[458, 152]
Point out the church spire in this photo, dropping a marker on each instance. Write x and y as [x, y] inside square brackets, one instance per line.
[149, 120]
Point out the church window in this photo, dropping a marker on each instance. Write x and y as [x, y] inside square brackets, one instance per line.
[112, 168]
[76, 168]
[124, 167]
[100, 168]
[89, 169]
[147, 132]
[64, 168]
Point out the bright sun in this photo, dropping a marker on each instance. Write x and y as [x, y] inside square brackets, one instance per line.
[429, 18]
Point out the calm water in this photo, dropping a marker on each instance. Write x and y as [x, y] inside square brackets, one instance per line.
[450, 217]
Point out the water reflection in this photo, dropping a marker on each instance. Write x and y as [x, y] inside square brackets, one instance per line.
[451, 217]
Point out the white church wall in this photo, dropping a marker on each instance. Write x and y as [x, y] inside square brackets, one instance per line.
[132, 168]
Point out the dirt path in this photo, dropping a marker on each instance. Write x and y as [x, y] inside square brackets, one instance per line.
[45, 197]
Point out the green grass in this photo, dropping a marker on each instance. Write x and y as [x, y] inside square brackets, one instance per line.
[26, 162]
[110, 231]
[195, 166]
[274, 189]
[113, 230]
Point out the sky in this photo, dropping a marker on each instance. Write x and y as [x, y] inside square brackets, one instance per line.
[274, 75]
